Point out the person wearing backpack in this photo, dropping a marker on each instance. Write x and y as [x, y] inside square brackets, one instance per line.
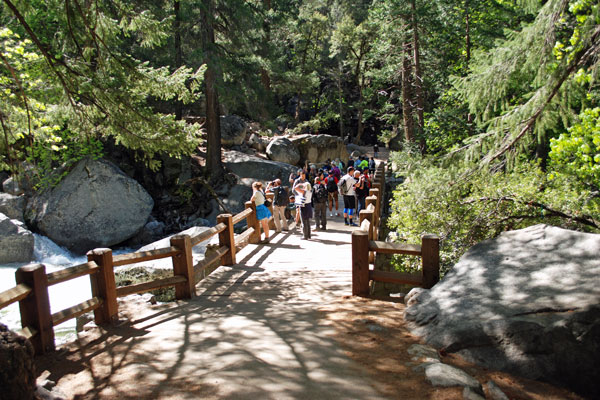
[346, 186]
[280, 202]
[304, 207]
[331, 182]
[320, 196]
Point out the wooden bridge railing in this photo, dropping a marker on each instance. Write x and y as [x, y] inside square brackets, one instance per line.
[31, 290]
[365, 247]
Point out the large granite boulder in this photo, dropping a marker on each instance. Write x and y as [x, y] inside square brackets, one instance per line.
[319, 148]
[16, 242]
[249, 166]
[95, 205]
[283, 150]
[233, 130]
[17, 367]
[248, 169]
[12, 206]
[527, 302]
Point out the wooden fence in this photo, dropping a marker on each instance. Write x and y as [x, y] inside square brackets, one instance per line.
[31, 290]
[365, 247]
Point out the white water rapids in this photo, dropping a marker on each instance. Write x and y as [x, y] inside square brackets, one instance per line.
[62, 296]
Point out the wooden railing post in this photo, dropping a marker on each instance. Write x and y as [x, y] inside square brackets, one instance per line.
[183, 264]
[360, 263]
[226, 238]
[370, 216]
[104, 286]
[374, 191]
[253, 223]
[374, 220]
[35, 308]
[430, 258]
[271, 196]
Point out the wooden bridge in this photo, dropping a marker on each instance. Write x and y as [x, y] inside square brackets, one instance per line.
[250, 327]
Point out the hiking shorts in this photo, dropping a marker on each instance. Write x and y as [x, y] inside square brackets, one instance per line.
[349, 202]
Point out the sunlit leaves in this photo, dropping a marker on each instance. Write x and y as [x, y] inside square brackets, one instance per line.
[577, 153]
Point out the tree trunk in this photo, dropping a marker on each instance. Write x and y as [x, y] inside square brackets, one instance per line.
[212, 125]
[468, 56]
[361, 110]
[178, 51]
[340, 99]
[265, 78]
[467, 33]
[407, 107]
[418, 73]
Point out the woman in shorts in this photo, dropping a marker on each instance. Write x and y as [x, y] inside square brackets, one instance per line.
[262, 212]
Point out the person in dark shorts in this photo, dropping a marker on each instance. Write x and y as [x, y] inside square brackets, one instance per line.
[347, 186]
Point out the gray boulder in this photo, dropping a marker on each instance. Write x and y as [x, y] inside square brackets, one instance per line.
[12, 206]
[351, 147]
[283, 150]
[319, 148]
[17, 369]
[258, 142]
[233, 130]
[95, 205]
[249, 166]
[527, 302]
[13, 187]
[16, 242]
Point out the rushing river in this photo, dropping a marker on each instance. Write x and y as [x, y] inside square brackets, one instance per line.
[62, 296]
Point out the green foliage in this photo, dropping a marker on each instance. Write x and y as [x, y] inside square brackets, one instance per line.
[527, 87]
[437, 199]
[577, 153]
[59, 148]
[83, 79]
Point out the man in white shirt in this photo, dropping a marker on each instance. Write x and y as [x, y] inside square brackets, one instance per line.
[346, 186]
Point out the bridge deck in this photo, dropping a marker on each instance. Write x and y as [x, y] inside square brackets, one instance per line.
[253, 332]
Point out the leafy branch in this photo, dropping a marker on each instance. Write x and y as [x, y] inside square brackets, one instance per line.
[535, 204]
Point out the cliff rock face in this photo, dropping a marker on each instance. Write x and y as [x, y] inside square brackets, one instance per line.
[527, 302]
[95, 205]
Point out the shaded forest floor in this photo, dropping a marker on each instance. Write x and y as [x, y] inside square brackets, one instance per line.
[382, 352]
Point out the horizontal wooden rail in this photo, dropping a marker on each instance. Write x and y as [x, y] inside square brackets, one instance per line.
[244, 237]
[141, 256]
[396, 277]
[395, 248]
[207, 234]
[365, 249]
[208, 261]
[14, 294]
[242, 215]
[76, 311]
[76, 271]
[31, 290]
[149, 286]
[218, 253]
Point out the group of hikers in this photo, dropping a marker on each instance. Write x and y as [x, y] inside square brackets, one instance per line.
[312, 192]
